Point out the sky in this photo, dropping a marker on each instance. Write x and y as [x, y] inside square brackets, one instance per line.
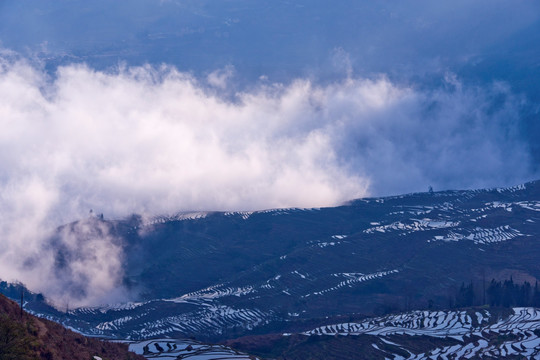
[155, 107]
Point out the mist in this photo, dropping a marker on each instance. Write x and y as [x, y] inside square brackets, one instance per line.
[157, 107]
[153, 140]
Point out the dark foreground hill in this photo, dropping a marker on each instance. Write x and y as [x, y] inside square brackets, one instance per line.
[30, 338]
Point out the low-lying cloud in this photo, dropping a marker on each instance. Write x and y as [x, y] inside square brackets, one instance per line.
[153, 140]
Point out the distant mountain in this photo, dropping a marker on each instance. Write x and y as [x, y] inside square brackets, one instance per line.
[23, 336]
[219, 275]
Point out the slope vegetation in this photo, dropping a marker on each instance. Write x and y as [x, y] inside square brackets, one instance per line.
[30, 338]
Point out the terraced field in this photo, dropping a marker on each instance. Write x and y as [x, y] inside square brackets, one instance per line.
[480, 334]
[168, 349]
[219, 275]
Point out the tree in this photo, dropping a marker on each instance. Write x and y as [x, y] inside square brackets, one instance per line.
[536, 296]
[465, 296]
[494, 293]
[508, 293]
[15, 344]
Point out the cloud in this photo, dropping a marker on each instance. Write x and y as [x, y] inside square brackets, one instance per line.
[153, 140]
[219, 78]
[87, 267]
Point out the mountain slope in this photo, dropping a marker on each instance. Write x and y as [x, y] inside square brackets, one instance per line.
[474, 333]
[224, 275]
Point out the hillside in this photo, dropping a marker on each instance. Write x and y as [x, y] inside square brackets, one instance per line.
[217, 276]
[472, 333]
[31, 338]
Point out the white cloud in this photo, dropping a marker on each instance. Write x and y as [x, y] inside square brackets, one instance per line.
[154, 140]
[219, 78]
